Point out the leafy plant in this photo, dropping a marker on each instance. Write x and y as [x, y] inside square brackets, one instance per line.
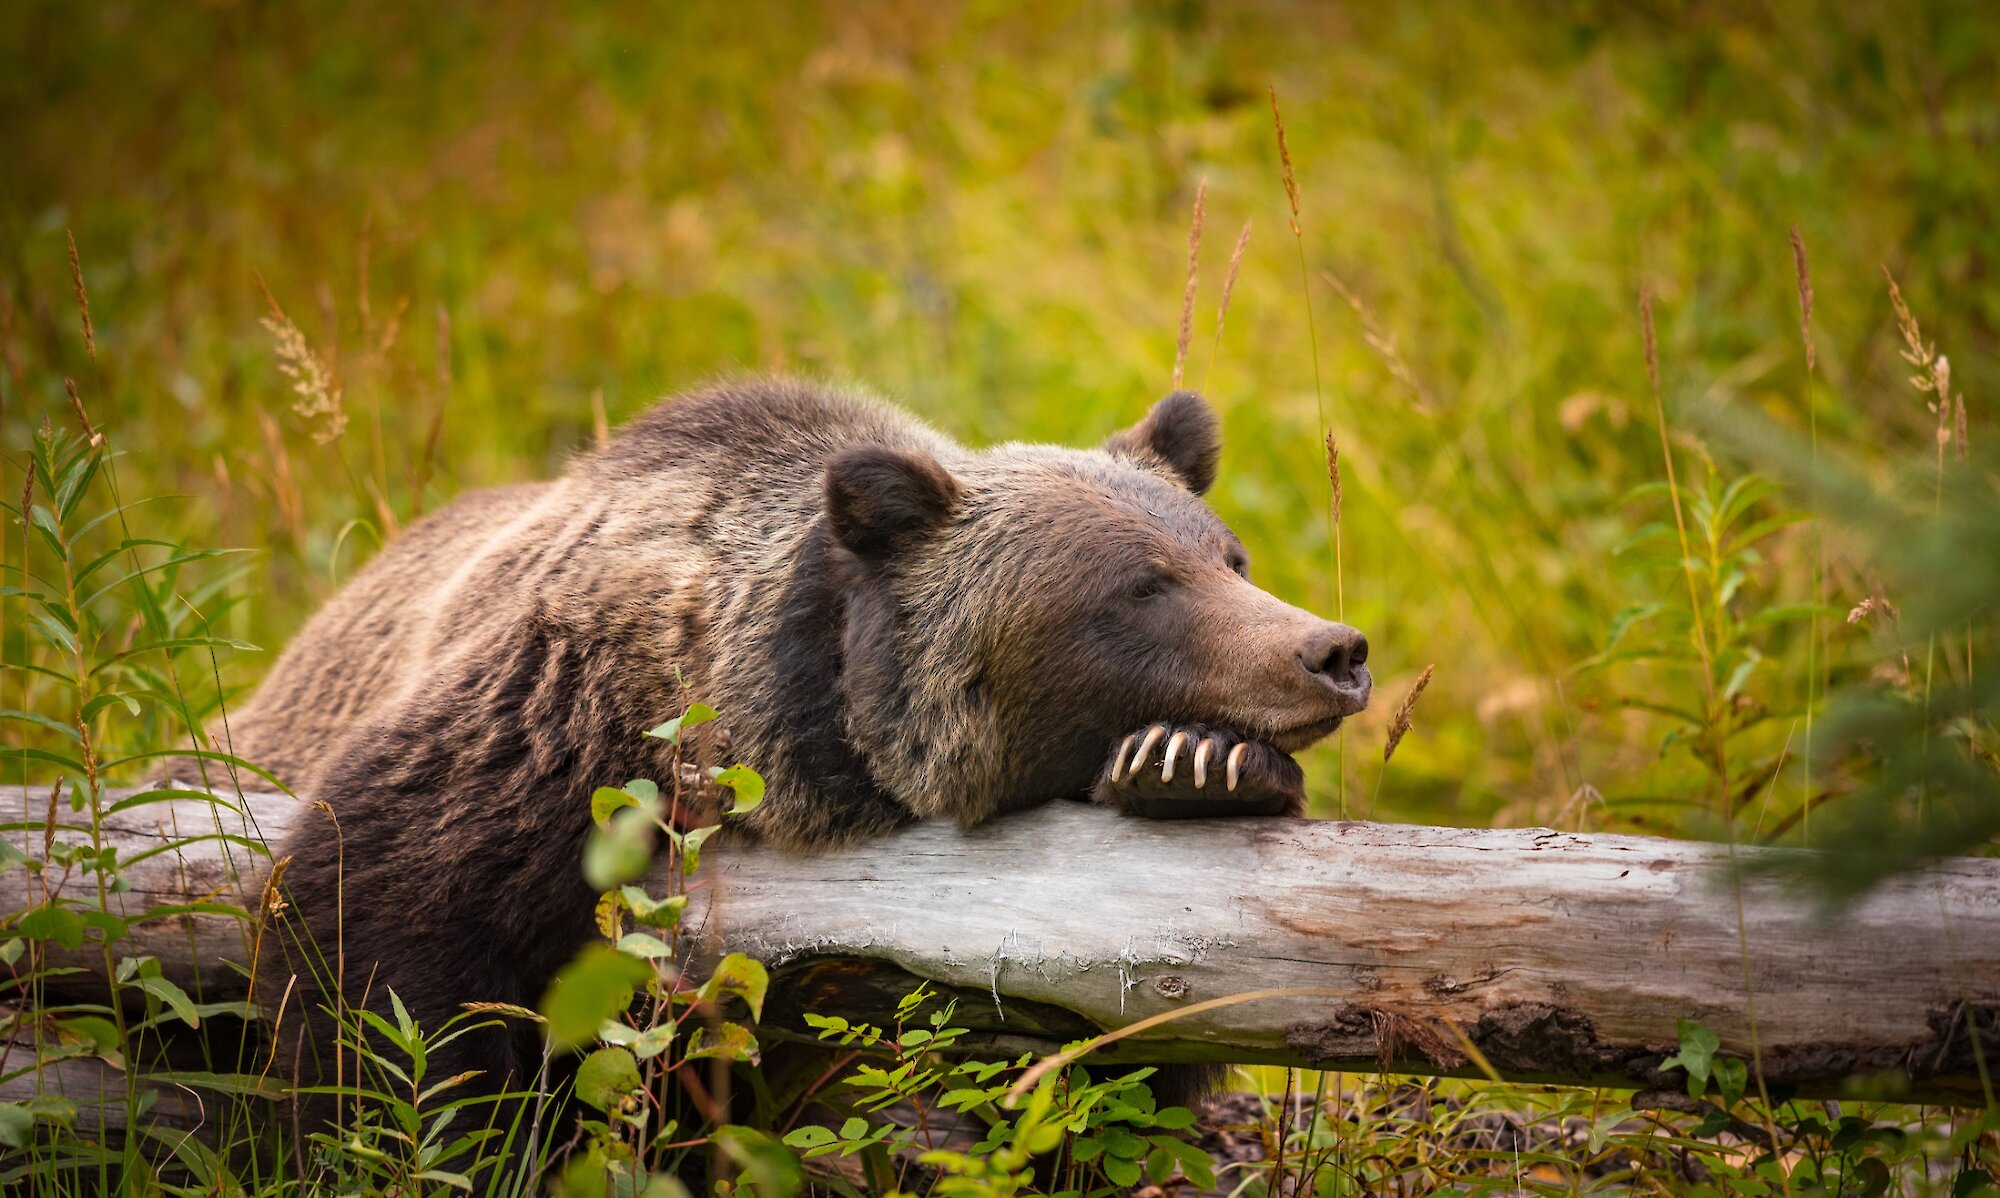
[629, 995]
[1707, 630]
[1075, 1136]
[99, 661]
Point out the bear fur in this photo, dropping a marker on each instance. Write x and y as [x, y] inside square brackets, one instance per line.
[893, 627]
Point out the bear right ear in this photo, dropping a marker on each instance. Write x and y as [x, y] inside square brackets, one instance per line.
[1182, 433]
[880, 500]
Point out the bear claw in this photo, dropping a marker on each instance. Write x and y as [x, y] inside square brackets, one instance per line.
[1174, 747]
[1162, 771]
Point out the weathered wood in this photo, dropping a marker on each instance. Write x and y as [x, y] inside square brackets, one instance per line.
[1556, 956]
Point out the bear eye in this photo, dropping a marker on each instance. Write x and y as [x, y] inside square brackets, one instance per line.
[1151, 586]
[1240, 564]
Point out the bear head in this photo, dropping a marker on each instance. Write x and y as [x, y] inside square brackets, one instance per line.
[1011, 614]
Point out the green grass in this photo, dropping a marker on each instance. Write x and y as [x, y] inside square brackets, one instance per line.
[493, 221]
[984, 216]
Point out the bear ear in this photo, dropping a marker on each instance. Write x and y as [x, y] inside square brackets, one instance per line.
[1182, 432]
[880, 500]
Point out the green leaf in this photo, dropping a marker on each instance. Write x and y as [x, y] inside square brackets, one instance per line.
[1698, 1046]
[1874, 1177]
[589, 990]
[174, 645]
[1623, 622]
[42, 721]
[75, 483]
[1121, 1171]
[1121, 1143]
[767, 1166]
[695, 716]
[1740, 676]
[662, 913]
[729, 1041]
[747, 783]
[810, 1138]
[1731, 1076]
[457, 1181]
[59, 924]
[639, 944]
[605, 800]
[621, 852]
[100, 702]
[654, 1040]
[1198, 1165]
[740, 975]
[691, 847]
[605, 1077]
[96, 1031]
[17, 1124]
[57, 633]
[172, 995]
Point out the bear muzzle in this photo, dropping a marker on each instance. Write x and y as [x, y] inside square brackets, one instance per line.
[1334, 659]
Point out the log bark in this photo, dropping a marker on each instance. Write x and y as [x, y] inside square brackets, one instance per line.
[1540, 955]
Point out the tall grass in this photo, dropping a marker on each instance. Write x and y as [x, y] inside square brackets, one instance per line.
[497, 232]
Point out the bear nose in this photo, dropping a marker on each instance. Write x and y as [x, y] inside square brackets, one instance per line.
[1337, 653]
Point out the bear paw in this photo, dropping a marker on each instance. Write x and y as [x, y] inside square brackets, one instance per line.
[1188, 771]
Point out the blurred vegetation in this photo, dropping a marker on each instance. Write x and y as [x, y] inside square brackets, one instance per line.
[493, 223]
[345, 261]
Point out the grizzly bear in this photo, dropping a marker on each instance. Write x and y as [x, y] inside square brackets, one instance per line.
[893, 626]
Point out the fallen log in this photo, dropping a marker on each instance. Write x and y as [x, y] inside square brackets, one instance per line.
[1541, 955]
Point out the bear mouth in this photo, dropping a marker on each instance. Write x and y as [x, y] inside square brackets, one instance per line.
[1301, 736]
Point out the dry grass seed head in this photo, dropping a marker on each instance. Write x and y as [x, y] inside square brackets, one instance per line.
[392, 328]
[1870, 606]
[315, 384]
[1804, 269]
[444, 347]
[1941, 378]
[27, 499]
[1187, 298]
[82, 417]
[1285, 160]
[1652, 346]
[1964, 448]
[1915, 351]
[1229, 279]
[1333, 473]
[82, 297]
[1381, 342]
[1399, 724]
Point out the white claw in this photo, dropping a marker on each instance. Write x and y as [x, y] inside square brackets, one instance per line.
[1118, 762]
[1174, 748]
[1144, 752]
[1201, 752]
[1236, 762]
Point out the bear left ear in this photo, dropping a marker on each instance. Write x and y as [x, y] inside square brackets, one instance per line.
[880, 500]
[1180, 431]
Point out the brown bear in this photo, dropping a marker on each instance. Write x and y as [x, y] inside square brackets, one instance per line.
[893, 626]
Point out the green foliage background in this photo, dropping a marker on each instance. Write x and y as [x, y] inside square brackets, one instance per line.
[485, 215]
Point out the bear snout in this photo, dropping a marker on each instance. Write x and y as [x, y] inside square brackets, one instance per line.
[1337, 656]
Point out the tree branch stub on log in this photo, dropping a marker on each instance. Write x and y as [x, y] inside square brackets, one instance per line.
[1559, 957]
